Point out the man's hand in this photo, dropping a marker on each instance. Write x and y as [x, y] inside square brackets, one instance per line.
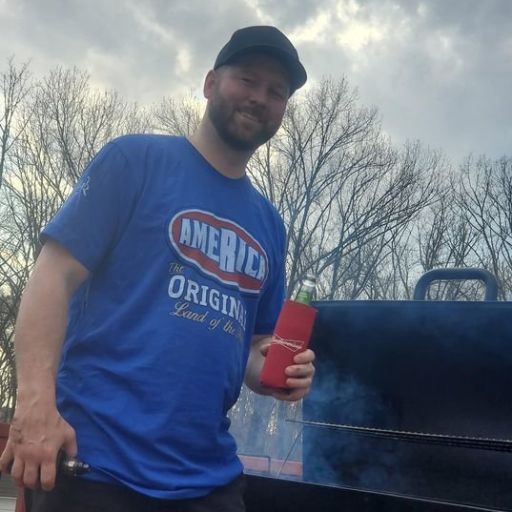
[36, 435]
[300, 377]
[300, 374]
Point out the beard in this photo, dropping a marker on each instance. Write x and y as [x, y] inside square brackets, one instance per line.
[225, 119]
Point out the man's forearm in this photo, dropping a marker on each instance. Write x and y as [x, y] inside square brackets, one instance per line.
[42, 319]
[40, 330]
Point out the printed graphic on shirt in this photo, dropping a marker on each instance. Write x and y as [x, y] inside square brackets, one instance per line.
[220, 248]
[226, 253]
[206, 304]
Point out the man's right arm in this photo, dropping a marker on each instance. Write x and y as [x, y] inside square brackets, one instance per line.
[38, 431]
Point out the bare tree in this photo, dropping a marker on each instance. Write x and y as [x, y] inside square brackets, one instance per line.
[340, 187]
[485, 200]
[445, 240]
[14, 87]
[65, 123]
[373, 209]
[77, 120]
[396, 272]
[177, 116]
[325, 139]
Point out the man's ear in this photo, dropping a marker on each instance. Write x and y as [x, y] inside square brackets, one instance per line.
[209, 83]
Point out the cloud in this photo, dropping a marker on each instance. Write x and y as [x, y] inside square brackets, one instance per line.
[289, 13]
[438, 71]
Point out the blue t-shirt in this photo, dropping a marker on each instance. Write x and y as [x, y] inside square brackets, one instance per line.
[186, 266]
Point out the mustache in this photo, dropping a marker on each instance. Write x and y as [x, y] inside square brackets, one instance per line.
[254, 111]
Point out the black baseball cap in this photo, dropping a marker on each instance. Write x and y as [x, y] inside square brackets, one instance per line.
[268, 40]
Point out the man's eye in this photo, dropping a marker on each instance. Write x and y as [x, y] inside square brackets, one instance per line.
[278, 94]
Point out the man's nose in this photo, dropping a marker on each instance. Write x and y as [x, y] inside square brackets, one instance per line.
[259, 95]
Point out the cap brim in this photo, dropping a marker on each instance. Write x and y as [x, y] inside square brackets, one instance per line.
[296, 70]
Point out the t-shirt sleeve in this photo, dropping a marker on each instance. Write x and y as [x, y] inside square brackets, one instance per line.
[91, 220]
[273, 297]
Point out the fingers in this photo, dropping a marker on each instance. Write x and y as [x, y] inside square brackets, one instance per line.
[30, 475]
[48, 475]
[264, 349]
[300, 377]
[17, 470]
[25, 475]
[26, 472]
[305, 357]
[49, 465]
[34, 464]
[301, 371]
[289, 395]
[46, 470]
[300, 374]
[12, 465]
[6, 459]
[69, 446]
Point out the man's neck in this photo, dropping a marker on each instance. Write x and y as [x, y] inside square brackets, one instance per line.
[226, 160]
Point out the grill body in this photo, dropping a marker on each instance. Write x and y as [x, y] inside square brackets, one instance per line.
[430, 367]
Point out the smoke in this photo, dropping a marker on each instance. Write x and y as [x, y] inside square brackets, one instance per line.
[430, 367]
[334, 456]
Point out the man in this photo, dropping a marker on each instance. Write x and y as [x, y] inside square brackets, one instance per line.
[170, 268]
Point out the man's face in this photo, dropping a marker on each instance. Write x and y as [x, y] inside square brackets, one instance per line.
[247, 100]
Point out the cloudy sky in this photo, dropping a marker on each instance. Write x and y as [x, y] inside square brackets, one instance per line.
[438, 70]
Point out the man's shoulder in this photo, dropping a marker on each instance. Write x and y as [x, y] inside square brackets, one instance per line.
[136, 154]
[265, 203]
[135, 142]
[268, 213]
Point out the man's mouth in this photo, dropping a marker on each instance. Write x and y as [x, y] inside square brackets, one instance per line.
[251, 117]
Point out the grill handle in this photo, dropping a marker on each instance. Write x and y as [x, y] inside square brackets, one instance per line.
[458, 274]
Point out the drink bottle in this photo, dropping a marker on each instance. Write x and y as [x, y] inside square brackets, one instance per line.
[307, 290]
[291, 335]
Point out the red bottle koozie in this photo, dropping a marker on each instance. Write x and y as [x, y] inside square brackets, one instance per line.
[291, 336]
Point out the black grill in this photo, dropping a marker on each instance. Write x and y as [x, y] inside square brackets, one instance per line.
[412, 398]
